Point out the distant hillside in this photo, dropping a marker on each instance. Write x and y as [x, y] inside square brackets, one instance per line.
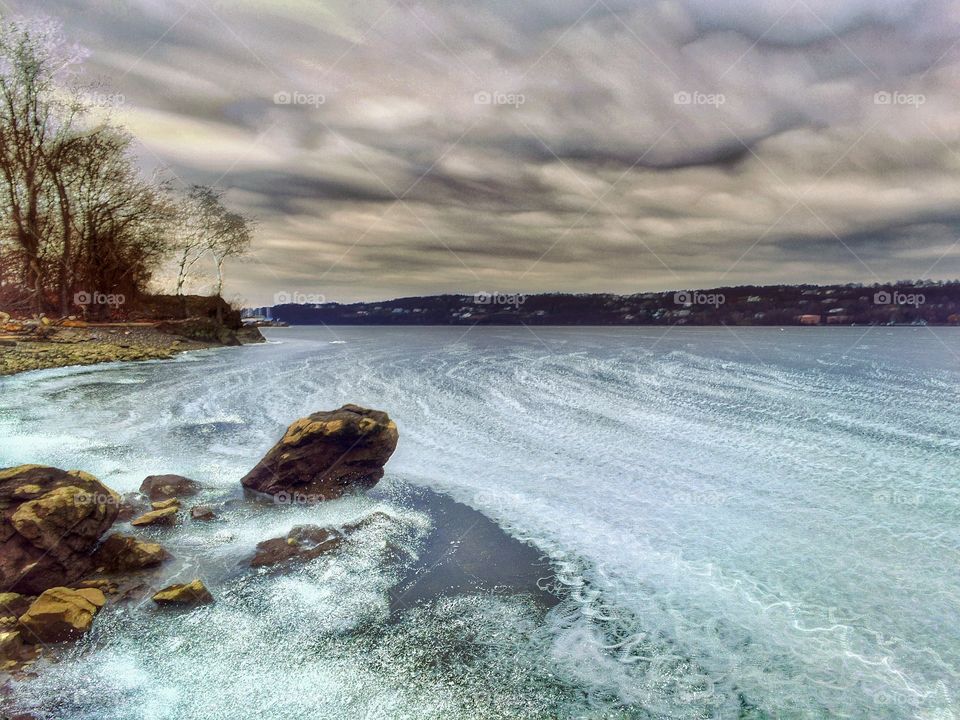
[934, 303]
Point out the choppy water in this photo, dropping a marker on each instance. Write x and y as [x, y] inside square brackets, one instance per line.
[750, 524]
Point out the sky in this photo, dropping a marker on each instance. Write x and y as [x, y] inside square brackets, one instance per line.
[392, 147]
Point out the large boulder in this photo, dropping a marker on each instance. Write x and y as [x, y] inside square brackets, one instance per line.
[61, 614]
[324, 455]
[50, 523]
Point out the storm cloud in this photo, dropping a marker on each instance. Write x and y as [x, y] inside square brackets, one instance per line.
[394, 148]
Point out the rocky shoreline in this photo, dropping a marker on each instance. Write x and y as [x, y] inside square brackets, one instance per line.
[63, 558]
[42, 345]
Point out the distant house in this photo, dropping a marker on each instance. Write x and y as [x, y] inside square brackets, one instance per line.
[809, 319]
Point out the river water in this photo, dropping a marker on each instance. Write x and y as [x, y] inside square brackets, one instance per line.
[742, 523]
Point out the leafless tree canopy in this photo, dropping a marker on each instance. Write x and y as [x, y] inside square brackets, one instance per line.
[76, 214]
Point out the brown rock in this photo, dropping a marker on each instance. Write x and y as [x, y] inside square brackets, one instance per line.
[192, 593]
[11, 648]
[132, 505]
[50, 522]
[202, 512]
[14, 604]
[306, 542]
[61, 614]
[166, 516]
[164, 504]
[164, 487]
[125, 553]
[324, 455]
[303, 542]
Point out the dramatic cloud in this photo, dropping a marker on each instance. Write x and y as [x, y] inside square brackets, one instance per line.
[394, 148]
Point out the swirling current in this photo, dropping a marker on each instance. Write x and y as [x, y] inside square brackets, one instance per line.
[742, 523]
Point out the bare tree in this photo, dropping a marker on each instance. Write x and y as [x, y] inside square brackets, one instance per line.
[33, 119]
[217, 231]
[121, 221]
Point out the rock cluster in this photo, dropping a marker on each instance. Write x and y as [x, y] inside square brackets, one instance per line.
[53, 523]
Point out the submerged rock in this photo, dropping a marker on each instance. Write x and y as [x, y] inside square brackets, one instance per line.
[304, 542]
[192, 593]
[164, 516]
[324, 455]
[165, 487]
[50, 522]
[61, 614]
[202, 512]
[132, 504]
[126, 553]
